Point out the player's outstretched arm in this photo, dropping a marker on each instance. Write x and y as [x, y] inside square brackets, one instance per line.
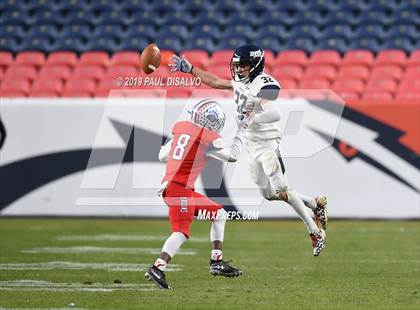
[220, 152]
[183, 65]
[164, 151]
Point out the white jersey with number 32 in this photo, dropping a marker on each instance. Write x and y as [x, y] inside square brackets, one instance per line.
[246, 99]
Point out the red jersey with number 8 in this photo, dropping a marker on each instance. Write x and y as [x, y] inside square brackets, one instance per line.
[187, 157]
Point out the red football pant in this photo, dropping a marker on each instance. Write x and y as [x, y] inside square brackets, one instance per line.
[183, 204]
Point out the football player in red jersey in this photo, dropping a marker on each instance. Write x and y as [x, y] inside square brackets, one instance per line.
[187, 154]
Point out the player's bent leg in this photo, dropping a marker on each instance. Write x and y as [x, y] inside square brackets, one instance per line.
[319, 207]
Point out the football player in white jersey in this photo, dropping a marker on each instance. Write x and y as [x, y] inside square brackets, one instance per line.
[254, 94]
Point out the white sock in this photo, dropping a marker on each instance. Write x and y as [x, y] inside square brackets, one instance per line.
[216, 255]
[161, 264]
[173, 243]
[302, 211]
[308, 201]
[217, 231]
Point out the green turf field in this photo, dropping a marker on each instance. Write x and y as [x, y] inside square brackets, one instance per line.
[51, 263]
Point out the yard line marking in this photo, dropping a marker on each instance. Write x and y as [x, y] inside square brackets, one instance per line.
[94, 249]
[110, 237]
[83, 266]
[30, 285]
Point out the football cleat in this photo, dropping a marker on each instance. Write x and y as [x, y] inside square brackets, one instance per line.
[222, 268]
[157, 276]
[321, 212]
[318, 242]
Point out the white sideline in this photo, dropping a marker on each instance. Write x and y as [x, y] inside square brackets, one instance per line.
[83, 266]
[94, 249]
[30, 285]
[109, 237]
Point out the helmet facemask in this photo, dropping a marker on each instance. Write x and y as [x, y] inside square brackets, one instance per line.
[256, 66]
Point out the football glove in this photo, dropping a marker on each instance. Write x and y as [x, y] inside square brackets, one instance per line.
[180, 64]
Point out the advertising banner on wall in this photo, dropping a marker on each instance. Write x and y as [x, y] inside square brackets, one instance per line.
[99, 157]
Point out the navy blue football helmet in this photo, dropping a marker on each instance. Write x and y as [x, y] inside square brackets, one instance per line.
[247, 55]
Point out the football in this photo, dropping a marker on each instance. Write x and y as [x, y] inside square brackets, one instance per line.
[150, 58]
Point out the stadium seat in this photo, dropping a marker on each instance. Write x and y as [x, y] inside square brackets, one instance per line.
[358, 57]
[80, 17]
[205, 42]
[93, 58]
[37, 44]
[392, 72]
[366, 30]
[168, 41]
[48, 31]
[76, 31]
[348, 17]
[6, 59]
[122, 71]
[222, 71]
[62, 59]
[206, 30]
[414, 59]
[411, 85]
[134, 43]
[377, 95]
[333, 43]
[348, 85]
[109, 30]
[42, 93]
[326, 57]
[10, 44]
[15, 16]
[269, 43]
[20, 86]
[287, 72]
[295, 57]
[288, 83]
[408, 95]
[337, 31]
[176, 30]
[412, 72]
[175, 17]
[30, 58]
[79, 88]
[88, 72]
[353, 72]
[16, 72]
[269, 58]
[73, 4]
[276, 29]
[220, 58]
[347, 94]
[236, 30]
[126, 59]
[11, 93]
[303, 30]
[50, 85]
[232, 43]
[313, 17]
[400, 43]
[199, 58]
[375, 17]
[390, 57]
[320, 72]
[409, 16]
[42, 17]
[371, 43]
[314, 84]
[404, 30]
[146, 31]
[384, 84]
[55, 72]
[300, 43]
[73, 44]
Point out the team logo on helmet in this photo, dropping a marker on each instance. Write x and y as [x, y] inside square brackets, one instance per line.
[209, 114]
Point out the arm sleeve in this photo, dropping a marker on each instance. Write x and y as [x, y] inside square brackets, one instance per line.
[270, 114]
[229, 154]
[165, 150]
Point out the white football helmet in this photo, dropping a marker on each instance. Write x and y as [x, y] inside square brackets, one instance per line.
[208, 113]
